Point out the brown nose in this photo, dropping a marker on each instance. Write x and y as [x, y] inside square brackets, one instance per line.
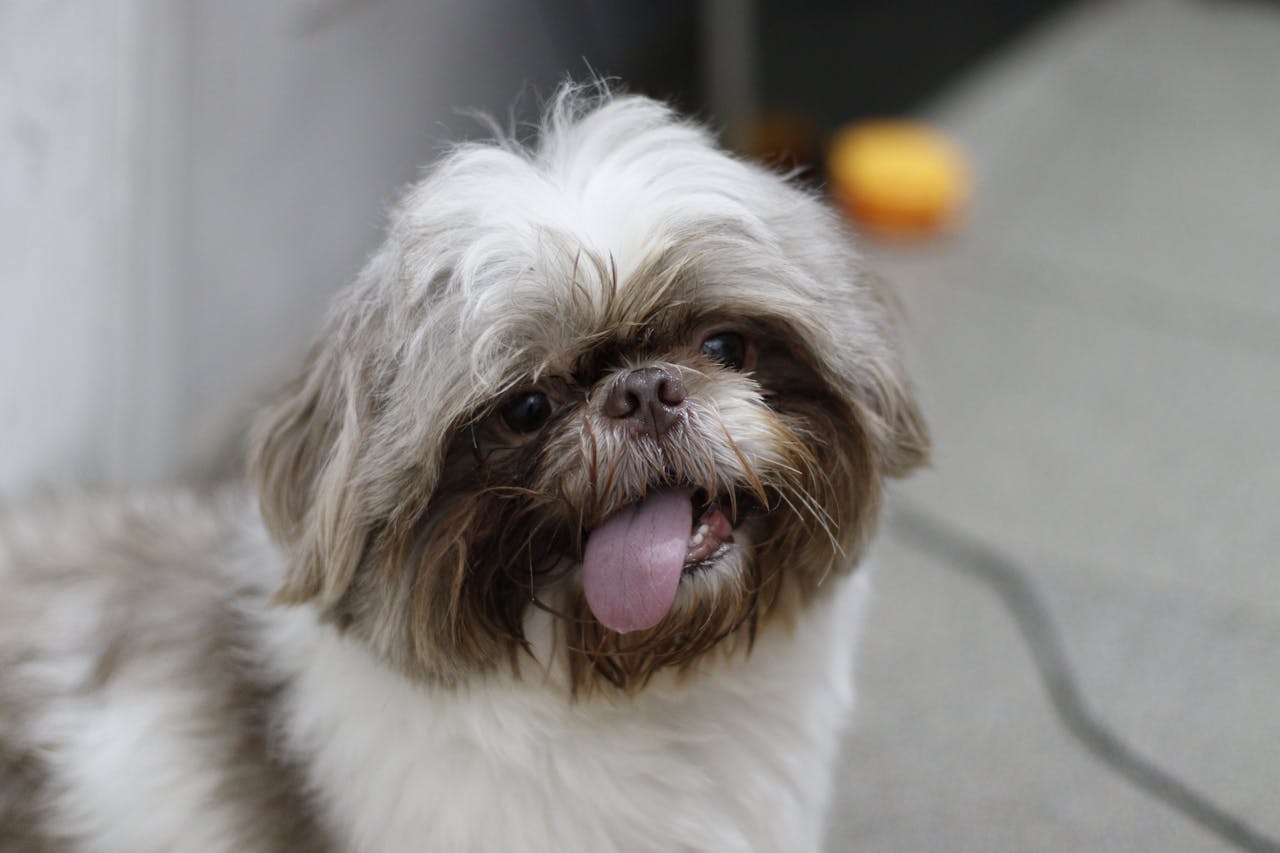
[648, 398]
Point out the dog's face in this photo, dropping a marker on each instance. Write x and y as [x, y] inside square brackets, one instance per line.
[620, 378]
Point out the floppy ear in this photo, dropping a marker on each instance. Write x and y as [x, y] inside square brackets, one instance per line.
[892, 416]
[305, 450]
[889, 410]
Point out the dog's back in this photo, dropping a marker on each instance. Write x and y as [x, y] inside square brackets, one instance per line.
[127, 684]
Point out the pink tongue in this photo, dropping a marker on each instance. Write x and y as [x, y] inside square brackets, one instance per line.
[633, 561]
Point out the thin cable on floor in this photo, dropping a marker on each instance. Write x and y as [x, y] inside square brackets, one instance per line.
[956, 549]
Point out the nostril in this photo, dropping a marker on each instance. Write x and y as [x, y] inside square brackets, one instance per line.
[622, 400]
[671, 389]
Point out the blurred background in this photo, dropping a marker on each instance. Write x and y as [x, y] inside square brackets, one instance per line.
[1093, 324]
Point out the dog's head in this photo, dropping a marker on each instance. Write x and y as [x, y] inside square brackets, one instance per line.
[618, 376]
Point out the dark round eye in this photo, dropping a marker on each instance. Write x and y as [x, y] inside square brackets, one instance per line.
[728, 348]
[527, 412]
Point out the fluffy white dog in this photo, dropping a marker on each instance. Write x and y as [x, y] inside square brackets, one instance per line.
[550, 547]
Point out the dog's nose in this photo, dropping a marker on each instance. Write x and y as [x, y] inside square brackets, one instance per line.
[648, 398]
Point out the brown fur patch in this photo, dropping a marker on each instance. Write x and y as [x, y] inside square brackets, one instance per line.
[24, 786]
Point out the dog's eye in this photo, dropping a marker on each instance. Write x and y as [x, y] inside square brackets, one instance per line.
[728, 348]
[527, 412]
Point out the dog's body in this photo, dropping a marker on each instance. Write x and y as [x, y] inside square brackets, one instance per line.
[554, 547]
[153, 700]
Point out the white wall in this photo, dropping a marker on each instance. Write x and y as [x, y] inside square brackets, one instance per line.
[68, 114]
[183, 185]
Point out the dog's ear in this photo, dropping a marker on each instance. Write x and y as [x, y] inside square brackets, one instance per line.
[891, 416]
[886, 403]
[304, 456]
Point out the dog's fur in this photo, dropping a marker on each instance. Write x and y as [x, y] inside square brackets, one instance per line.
[387, 645]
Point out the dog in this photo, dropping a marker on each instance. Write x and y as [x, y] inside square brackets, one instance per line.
[551, 546]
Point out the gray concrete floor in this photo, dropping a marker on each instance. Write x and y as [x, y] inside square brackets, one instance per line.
[1098, 353]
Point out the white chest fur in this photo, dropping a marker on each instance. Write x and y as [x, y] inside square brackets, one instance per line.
[738, 758]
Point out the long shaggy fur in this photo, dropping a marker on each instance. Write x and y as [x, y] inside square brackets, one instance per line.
[416, 564]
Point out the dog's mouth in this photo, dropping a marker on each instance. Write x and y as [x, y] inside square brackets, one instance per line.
[712, 532]
[634, 560]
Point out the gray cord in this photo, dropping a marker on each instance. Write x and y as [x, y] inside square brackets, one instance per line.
[956, 549]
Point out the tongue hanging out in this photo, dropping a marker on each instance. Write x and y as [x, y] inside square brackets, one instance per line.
[633, 561]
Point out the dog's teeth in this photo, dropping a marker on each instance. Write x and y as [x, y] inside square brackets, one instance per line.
[697, 540]
[704, 530]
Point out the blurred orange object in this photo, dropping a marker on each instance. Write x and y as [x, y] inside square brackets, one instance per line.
[898, 178]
